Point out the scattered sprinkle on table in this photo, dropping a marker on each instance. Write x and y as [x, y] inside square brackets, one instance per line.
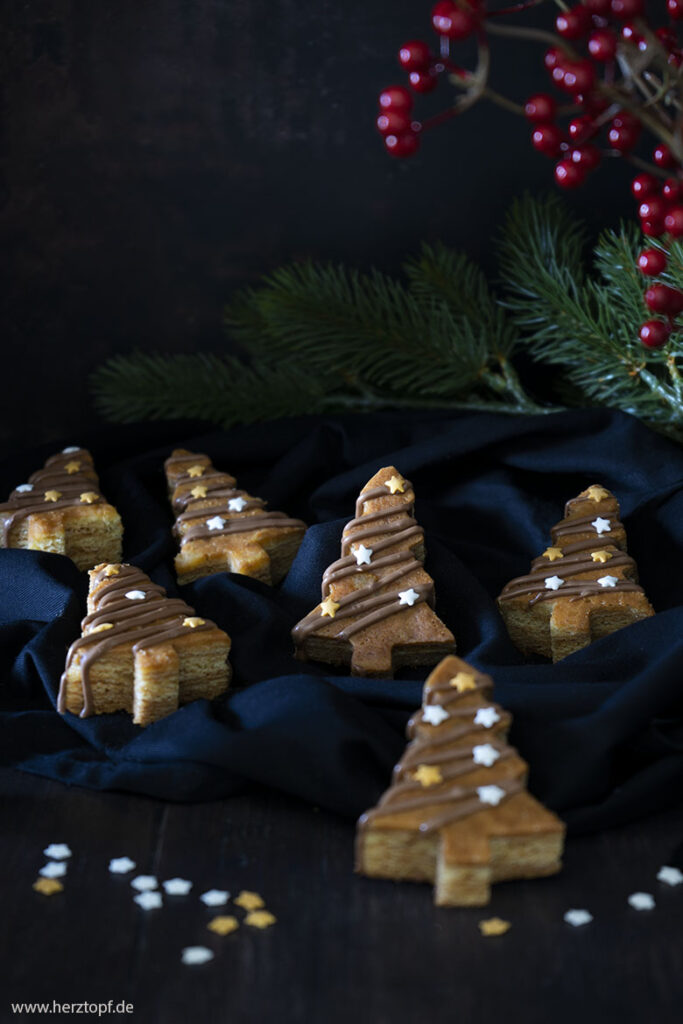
[148, 900]
[223, 924]
[578, 917]
[196, 955]
[260, 919]
[641, 901]
[121, 865]
[215, 897]
[48, 886]
[494, 926]
[671, 876]
[145, 882]
[57, 851]
[177, 886]
[249, 900]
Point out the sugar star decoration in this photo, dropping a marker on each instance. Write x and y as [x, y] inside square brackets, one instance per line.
[102, 628]
[89, 497]
[485, 754]
[143, 883]
[408, 597]
[600, 556]
[199, 491]
[177, 886]
[121, 865]
[57, 851]
[70, 450]
[362, 555]
[249, 900]
[72, 467]
[135, 595]
[601, 525]
[196, 955]
[223, 924]
[671, 876]
[214, 897]
[553, 582]
[427, 775]
[215, 523]
[596, 493]
[608, 581]
[52, 495]
[53, 869]
[396, 484]
[260, 919]
[463, 682]
[486, 717]
[641, 901]
[111, 570]
[494, 926]
[148, 900]
[23, 488]
[192, 621]
[47, 886]
[490, 794]
[578, 917]
[329, 607]
[434, 714]
[195, 471]
[237, 504]
[553, 553]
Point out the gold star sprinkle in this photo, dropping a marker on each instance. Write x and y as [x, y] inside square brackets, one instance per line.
[396, 483]
[195, 471]
[199, 491]
[72, 467]
[88, 497]
[223, 924]
[193, 621]
[463, 681]
[52, 495]
[329, 607]
[427, 775]
[111, 570]
[102, 626]
[249, 900]
[600, 556]
[553, 553]
[260, 919]
[494, 926]
[596, 493]
[47, 886]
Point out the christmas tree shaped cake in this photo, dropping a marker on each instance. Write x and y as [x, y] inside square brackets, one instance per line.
[376, 612]
[458, 813]
[60, 509]
[141, 651]
[582, 587]
[223, 529]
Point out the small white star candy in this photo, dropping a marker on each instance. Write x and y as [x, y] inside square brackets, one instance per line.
[237, 504]
[553, 582]
[601, 525]
[215, 523]
[408, 597]
[434, 714]
[578, 917]
[144, 882]
[121, 865]
[136, 595]
[214, 897]
[486, 717]
[70, 450]
[672, 876]
[57, 851]
[23, 488]
[148, 900]
[196, 955]
[641, 901]
[490, 794]
[362, 555]
[608, 581]
[177, 886]
[485, 754]
[53, 869]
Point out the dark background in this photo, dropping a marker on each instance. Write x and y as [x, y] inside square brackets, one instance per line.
[158, 155]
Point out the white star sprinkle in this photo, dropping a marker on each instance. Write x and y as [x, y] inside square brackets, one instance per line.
[121, 865]
[53, 869]
[148, 900]
[408, 597]
[57, 851]
[237, 504]
[144, 882]
[70, 450]
[362, 555]
[196, 955]
[641, 901]
[608, 581]
[486, 717]
[216, 523]
[490, 794]
[672, 876]
[485, 754]
[601, 525]
[177, 886]
[136, 595]
[553, 582]
[578, 917]
[214, 897]
[434, 714]
[22, 488]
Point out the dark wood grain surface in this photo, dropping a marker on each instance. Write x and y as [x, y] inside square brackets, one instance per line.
[344, 949]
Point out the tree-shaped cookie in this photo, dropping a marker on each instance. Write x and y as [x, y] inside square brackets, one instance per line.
[582, 587]
[141, 651]
[376, 609]
[223, 529]
[60, 509]
[458, 813]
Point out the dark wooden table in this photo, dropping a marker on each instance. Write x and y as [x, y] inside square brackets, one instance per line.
[344, 949]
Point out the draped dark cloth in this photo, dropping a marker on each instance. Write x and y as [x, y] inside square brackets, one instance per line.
[602, 730]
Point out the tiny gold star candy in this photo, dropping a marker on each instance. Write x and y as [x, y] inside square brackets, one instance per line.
[249, 900]
[260, 919]
[102, 626]
[428, 775]
[52, 495]
[329, 607]
[396, 483]
[494, 926]
[111, 570]
[463, 681]
[193, 621]
[199, 491]
[72, 467]
[195, 471]
[47, 886]
[223, 924]
[88, 497]
[600, 556]
[553, 553]
[596, 493]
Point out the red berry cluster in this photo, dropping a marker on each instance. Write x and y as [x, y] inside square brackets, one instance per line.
[660, 208]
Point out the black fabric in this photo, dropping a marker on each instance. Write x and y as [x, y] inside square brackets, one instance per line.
[602, 730]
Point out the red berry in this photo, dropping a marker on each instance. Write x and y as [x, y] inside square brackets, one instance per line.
[547, 139]
[630, 34]
[673, 222]
[624, 133]
[452, 21]
[652, 262]
[396, 97]
[587, 156]
[414, 56]
[574, 23]
[579, 76]
[652, 228]
[660, 298]
[540, 107]
[675, 9]
[423, 81]
[403, 144]
[644, 185]
[581, 128]
[569, 175]
[654, 333]
[393, 122]
[653, 208]
[602, 44]
[623, 9]
[553, 57]
[593, 103]
[671, 189]
[662, 156]
[599, 7]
